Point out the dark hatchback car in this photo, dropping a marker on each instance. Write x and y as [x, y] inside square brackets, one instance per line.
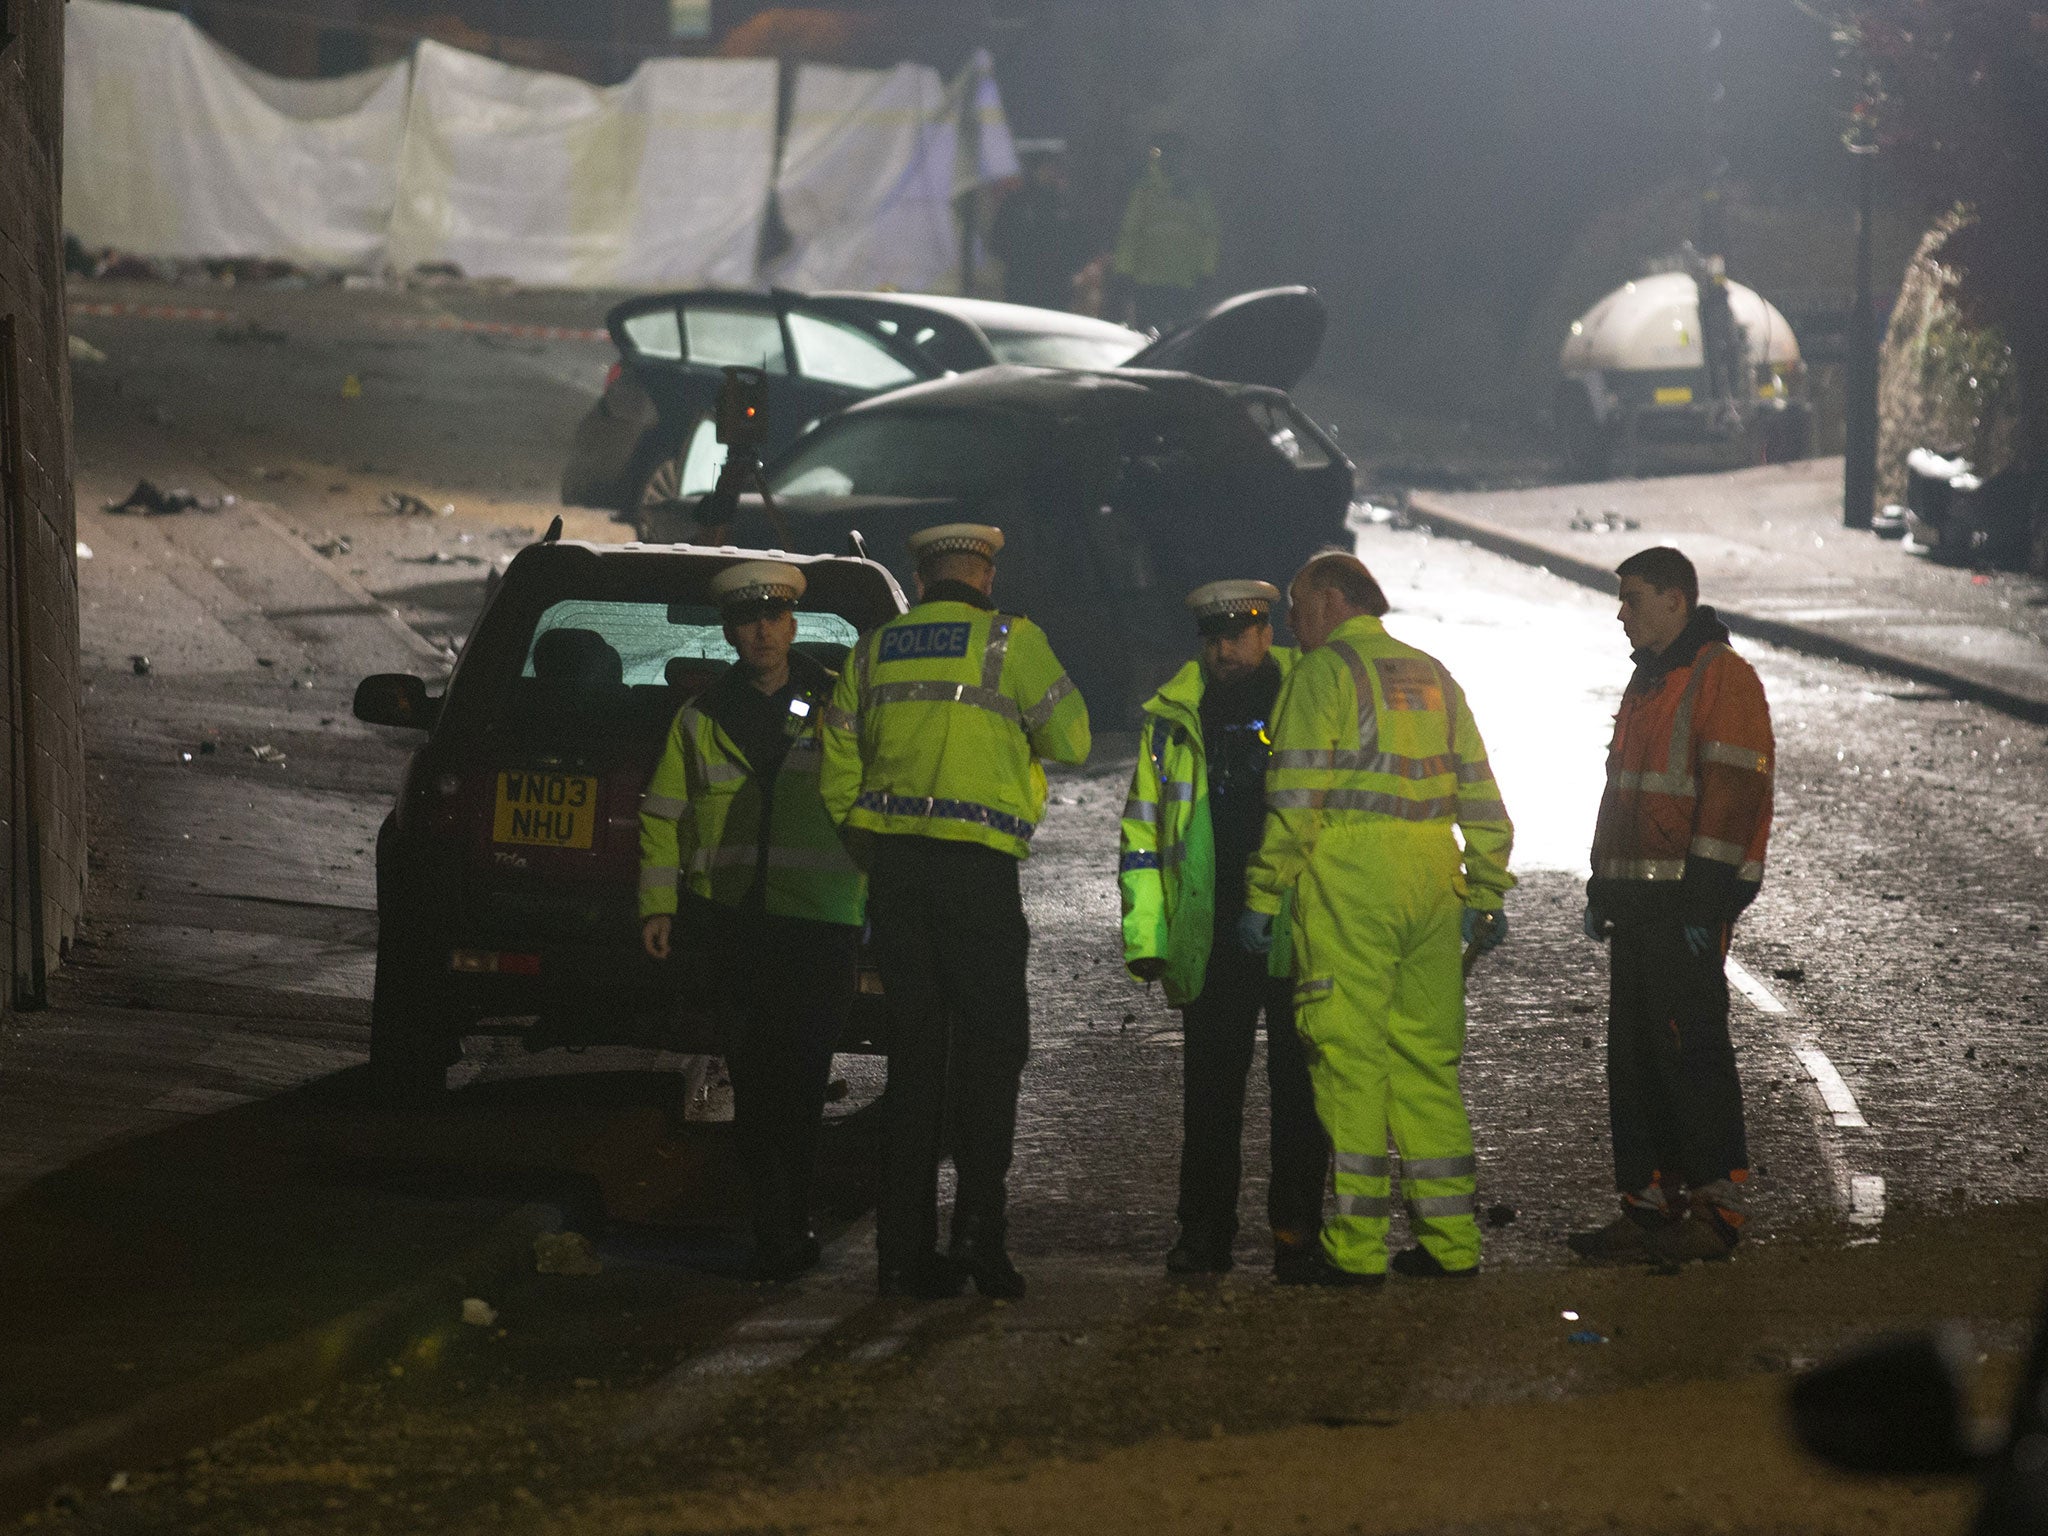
[1117, 491]
[648, 440]
[507, 872]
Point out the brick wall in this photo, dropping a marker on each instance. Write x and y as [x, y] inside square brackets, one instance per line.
[42, 753]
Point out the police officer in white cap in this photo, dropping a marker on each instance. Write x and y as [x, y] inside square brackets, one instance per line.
[933, 747]
[1197, 804]
[734, 815]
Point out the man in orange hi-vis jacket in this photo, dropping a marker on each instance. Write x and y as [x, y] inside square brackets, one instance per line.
[1677, 855]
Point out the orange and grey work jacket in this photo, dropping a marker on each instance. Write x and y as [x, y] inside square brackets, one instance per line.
[1687, 812]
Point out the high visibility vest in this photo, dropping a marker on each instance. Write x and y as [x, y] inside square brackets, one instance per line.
[1369, 732]
[939, 723]
[1167, 237]
[1167, 869]
[701, 816]
[1689, 775]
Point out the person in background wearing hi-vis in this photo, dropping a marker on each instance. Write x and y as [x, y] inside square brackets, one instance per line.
[1377, 766]
[734, 802]
[1197, 804]
[1678, 854]
[933, 743]
[1166, 247]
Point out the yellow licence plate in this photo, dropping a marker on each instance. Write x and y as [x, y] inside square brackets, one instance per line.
[1674, 394]
[545, 810]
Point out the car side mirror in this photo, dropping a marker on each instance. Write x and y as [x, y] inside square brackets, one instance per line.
[1898, 1406]
[396, 698]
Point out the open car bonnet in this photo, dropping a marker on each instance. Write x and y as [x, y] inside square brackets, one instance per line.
[1270, 336]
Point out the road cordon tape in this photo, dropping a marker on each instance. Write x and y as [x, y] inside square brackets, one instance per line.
[491, 328]
[151, 312]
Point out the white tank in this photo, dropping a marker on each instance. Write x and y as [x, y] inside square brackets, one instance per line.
[1654, 323]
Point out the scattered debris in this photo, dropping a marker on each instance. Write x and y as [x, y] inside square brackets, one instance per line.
[264, 752]
[1501, 1215]
[251, 329]
[265, 661]
[83, 351]
[273, 472]
[565, 1253]
[208, 748]
[442, 557]
[139, 665]
[405, 504]
[153, 501]
[352, 388]
[84, 550]
[1609, 521]
[1790, 973]
[118, 1483]
[1587, 1336]
[477, 1312]
[335, 544]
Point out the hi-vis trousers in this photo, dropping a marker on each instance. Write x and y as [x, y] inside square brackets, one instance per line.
[1380, 1003]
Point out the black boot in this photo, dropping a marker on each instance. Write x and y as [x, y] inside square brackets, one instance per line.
[932, 1277]
[1199, 1251]
[978, 1251]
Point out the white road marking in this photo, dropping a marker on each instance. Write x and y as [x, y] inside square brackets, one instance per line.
[1866, 1199]
[1834, 1092]
[1758, 994]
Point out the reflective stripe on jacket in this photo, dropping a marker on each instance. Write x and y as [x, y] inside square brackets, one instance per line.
[1688, 793]
[1369, 731]
[939, 723]
[1167, 868]
[701, 816]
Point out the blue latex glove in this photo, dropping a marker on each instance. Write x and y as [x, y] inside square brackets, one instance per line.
[1255, 931]
[1701, 939]
[1596, 924]
[1479, 931]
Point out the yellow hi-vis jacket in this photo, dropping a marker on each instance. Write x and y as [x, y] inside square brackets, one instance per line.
[939, 723]
[1167, 869]
[703, 810]
[1370, 730]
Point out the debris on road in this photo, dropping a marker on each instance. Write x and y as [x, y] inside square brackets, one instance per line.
[565, 1253]
[266, 753]
[405, 504]
[477, 1312]
[83, 351]
[1501, 1215]
[1609, 521]
[153, 501]
[334, 544]
[1587, 1336]
[139, 665]
[352, 388]
[84, 550]
[442, 557]
[1790, 973]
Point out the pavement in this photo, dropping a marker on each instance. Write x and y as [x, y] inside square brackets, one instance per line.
[1777, 564]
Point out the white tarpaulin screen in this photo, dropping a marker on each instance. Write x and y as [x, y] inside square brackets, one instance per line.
[661, 180]
[870, 168]
[173, 147]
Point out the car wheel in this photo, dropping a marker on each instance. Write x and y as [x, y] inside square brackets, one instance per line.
[412, 1038]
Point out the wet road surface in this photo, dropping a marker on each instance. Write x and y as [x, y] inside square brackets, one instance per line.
[1895, 960]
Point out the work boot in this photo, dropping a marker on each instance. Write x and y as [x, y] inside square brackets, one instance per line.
[934, 1277]
[1705, 1232]
[1312, 1266]
[1296, 1263]
[1624, 1240]
[1199, 1252]
[1418, 1263]
[978, 1251]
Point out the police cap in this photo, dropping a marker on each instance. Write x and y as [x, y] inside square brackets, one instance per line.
[955, 539]
[1225, 607]
[757, 584]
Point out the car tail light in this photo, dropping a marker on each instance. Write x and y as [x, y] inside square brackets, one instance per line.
[487, 962]
[611, 375]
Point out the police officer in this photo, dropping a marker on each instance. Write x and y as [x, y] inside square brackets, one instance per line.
[933, 744]
[1197, 804]
[734, 802]
[1376, 758]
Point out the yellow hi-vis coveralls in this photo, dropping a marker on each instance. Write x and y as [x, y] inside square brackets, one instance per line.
[1375, 759]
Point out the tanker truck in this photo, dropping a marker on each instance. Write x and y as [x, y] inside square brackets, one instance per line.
[1678, 360]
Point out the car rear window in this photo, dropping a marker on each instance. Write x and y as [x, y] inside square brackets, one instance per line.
[655, 334]
[745, 338]
[950, 454]
[1037, 349]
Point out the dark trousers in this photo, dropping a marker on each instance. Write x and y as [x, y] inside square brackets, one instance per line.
[1673, 1098]
[951, 942]
[790, 982]
[1219, 1029]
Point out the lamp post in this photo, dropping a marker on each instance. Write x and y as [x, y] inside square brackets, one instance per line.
[1859, 457]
